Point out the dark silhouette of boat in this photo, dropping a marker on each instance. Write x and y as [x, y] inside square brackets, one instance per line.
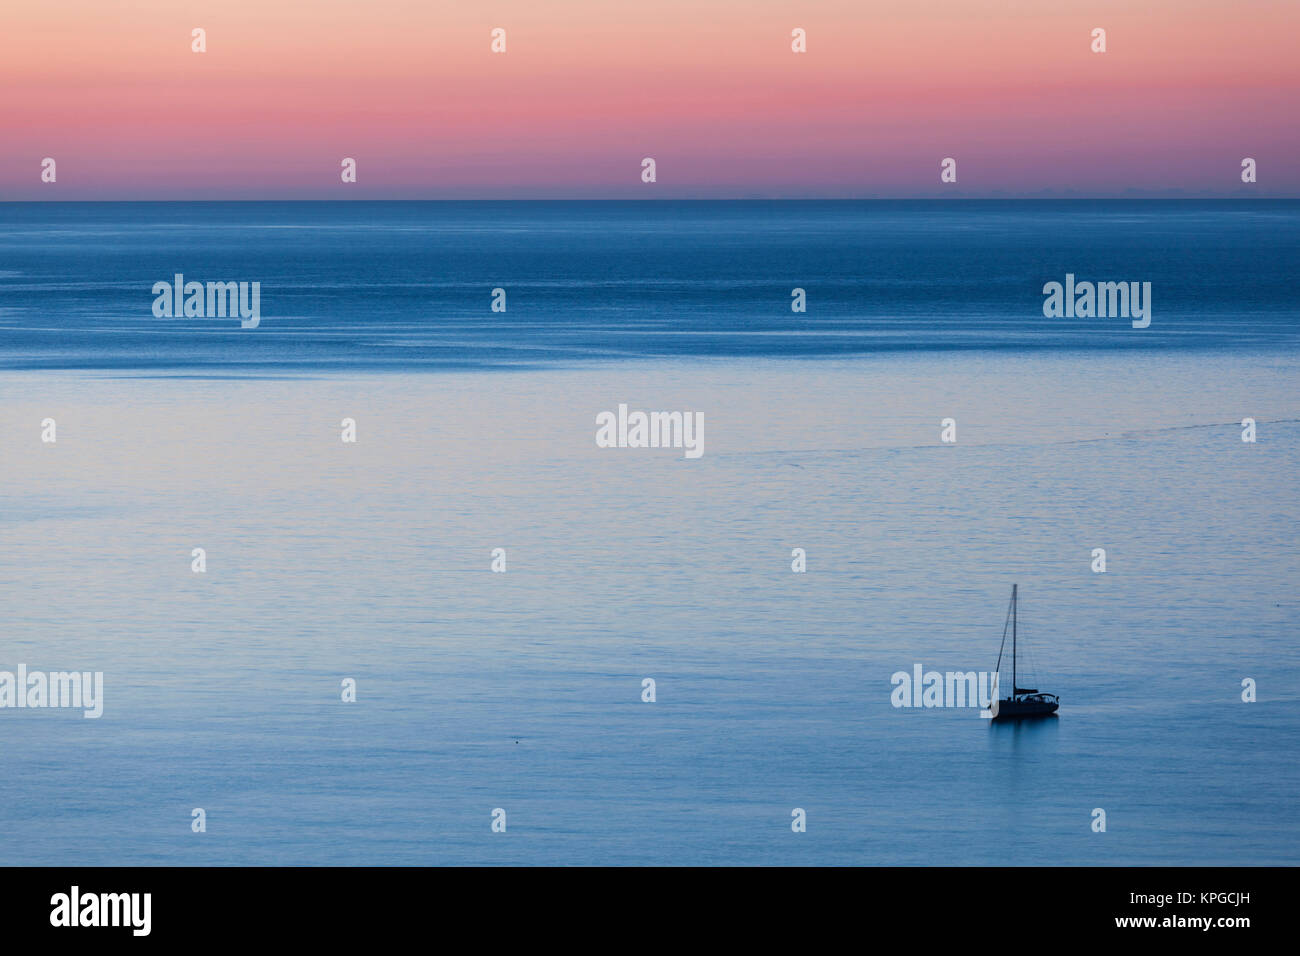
[1023, 701]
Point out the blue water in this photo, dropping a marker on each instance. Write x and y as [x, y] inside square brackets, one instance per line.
[386, 285]
[522, 690]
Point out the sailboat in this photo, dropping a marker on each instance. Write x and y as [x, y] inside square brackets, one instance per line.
[1023, 701]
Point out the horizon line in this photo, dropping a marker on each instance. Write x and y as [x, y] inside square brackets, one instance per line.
[665, 199]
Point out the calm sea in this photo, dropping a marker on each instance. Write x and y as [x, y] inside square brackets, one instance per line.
[523, 690]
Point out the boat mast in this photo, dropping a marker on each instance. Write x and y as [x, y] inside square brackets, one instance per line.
[1013, 641]
[1006, 623]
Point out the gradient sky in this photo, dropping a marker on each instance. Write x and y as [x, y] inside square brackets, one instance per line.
[709, 88]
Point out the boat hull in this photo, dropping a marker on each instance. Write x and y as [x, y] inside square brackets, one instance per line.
[1021, 709]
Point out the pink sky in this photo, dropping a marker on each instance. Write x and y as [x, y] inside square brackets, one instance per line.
[587, 88]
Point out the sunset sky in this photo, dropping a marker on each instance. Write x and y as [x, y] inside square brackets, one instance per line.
[587, 88]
